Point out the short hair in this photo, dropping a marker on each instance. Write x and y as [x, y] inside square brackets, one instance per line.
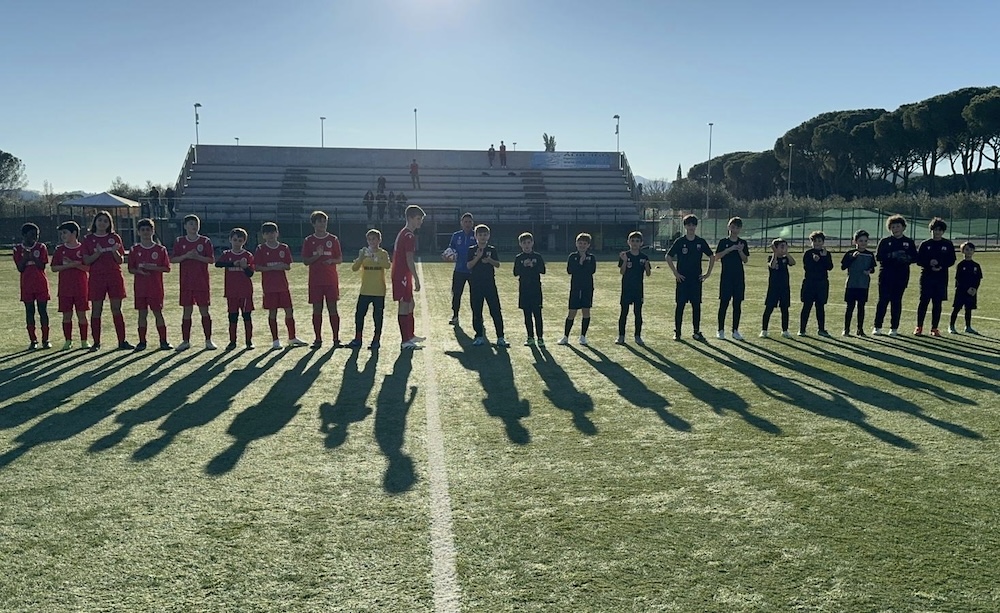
[583, 236]
[317, 215]
[482, 228]
[735, 221]
[689, 219]
[968, 244]
[240, 232]
[69, 226]
[817, 235]
[111, 221]
[191, 217]
[414, 211]
[373, 232]
[145, 222]
[268, 226]
[637, 234]
[895, 219]
[861, 233]
[524, 236]
[937, 224]
[28, 227]
[464, 215]
[778, 241]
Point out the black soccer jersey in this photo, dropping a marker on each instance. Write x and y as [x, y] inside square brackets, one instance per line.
[482, 273]
[732, 265]
[687, 255]
[632, 278]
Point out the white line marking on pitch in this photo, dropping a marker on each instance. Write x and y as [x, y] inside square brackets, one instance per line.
[444, 574]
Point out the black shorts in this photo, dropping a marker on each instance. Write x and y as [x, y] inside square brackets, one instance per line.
[934, 290]
[778, 296]
[815, 291]
[581, 298]
[734, 290]
[688, 291]
[631, 298]
[964, 300]
[856, 294]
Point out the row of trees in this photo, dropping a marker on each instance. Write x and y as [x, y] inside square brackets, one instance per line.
[872, 152]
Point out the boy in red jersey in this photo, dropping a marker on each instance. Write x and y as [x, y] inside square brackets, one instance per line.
[321, 253]
[194, 252]
[68, 262]
[31, 257]
[147, 261]
[273, 259]
[104, 253]
[404, 276]
[239, 265]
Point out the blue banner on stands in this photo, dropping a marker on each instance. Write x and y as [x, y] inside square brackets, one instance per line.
[569, 159]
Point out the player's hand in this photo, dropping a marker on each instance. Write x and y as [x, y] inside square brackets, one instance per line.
[822, 252]
[680, 278]
[622, 256]
[815, 257]
[972, 291]
[934, 264]
[243, 263]
[702, 277]
[416, 284]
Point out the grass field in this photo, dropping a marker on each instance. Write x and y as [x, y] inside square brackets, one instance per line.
[806, 474]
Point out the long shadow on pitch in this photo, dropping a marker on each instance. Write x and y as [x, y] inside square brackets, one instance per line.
[207, 408]
[876, 397]
[63, 426]
[40, 370]
[562, 392]
[931, 350]
[274, 411]
[496, 376]
[631, 388]
[392, 405]
[349, 407]
[721, 400]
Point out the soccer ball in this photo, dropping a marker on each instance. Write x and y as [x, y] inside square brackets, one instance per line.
[449, 254]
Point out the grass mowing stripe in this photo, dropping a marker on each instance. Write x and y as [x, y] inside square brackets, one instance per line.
[447, 594]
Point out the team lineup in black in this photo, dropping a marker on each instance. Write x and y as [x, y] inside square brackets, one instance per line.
[89, 272]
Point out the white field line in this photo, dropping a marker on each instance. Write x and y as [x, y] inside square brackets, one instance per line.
[444, 574]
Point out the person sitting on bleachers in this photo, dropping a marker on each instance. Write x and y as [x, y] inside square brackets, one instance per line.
[380, 200]
[392, 205]
[369, 202]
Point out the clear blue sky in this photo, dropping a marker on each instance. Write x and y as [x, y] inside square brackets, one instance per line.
[102, 88]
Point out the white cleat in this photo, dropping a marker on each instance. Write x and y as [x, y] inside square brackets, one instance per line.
[209, 344]
[563, 341]
[721, 334]
[583, 339]
[184, 346]
[737, 336]
[763, 334]
[295, 342]
[276, 344]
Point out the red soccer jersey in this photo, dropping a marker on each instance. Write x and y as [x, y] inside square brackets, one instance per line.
[238, 285]
[406, 242]
[320, 274]
[272, 280]
[72, 281]
[149, 285]
[33, 278]
[194, 274]
[104, 266]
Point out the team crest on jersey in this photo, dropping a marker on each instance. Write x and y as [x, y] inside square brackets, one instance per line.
[628, 264]
[155, 255]
[201, 247]
[906, 245]
[36, 253]
[684, 250]
[111, 242]
[281, 254]
[329, 243]
[944, 248]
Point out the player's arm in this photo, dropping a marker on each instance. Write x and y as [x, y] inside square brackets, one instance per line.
[517, 266]
[673, 267]
[359, 261]
[573, 263]
[744, 252]
[337, 256]
[412, 265]
[541, 263]
[494, 258]
[118, 254]
[91, 257]
[20, 262]
[42, 260]
[711, 260]
[647, 267]
[791, 260]
[622, 259]
[210, 251]
[828, 261]
[475, 255]
[310, 258]
[849, 257]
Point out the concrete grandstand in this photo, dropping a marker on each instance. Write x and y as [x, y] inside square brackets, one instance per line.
[553, 195]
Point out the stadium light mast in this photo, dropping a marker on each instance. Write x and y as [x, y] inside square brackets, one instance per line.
[515, 145]
[322, 132]
[618, 146]
[197, 105]
[788, 190]
[415, 145]
[237, 138]
[708, 171]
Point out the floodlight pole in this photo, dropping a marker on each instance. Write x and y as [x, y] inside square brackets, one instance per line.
[322, 132]
[708, 171]
[197, 105]
[788, 190]
[618, 146]
[415, 142]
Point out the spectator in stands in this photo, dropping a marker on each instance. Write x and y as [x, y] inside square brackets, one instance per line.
[381, 184]
[380, 200]
[392, 205]
[369, 202]
[152, 208]
[169, 193]
[401, 203]
[491, 154]
[415, 174]
[503, 155]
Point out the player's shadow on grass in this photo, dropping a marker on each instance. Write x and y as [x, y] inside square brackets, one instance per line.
[631, 388]
[496, 376]
[392, 406]
[931, 350]
[349, 406]
[895, 376]
[269, 416]
[719, 399]
[876, 397]
[50, 399]
[40, 370]
[209, 406]
[164, 402]
[63, 426]
[562, 392]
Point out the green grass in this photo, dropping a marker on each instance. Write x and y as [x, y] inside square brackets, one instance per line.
[773, 475]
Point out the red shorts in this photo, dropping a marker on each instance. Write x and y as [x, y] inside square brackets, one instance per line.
[402, 289]
[323, 293]
[239, 304]
[68, 304]
[195, 298]
[152, 303]
[111, 287]
[35, 296]
[277, 300]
